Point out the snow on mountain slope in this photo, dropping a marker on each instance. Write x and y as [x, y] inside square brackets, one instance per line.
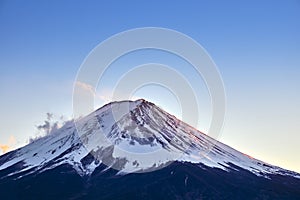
[130, 136]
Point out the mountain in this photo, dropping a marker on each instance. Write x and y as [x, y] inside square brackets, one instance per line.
[136, 150]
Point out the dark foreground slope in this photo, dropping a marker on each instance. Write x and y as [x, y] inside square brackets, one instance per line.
[176, 181]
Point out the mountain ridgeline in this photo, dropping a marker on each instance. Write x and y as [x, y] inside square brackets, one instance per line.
[136, 150]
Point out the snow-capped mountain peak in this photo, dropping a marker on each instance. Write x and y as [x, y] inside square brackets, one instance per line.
[130, 136]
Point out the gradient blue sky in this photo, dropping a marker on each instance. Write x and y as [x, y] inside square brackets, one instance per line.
[255, 44]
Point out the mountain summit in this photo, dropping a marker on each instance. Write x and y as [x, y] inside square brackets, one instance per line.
[131, 148]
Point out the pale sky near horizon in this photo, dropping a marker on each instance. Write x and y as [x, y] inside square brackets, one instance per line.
[255, 44]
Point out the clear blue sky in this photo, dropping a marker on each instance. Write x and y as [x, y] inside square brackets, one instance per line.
[255, 44]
